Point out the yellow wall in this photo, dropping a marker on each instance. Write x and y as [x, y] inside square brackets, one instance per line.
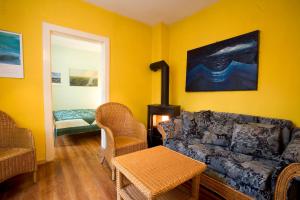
[135, 45]
[160, 51]
[278, 93]
[130, 77]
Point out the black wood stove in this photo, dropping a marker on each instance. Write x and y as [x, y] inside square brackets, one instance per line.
[160, 112]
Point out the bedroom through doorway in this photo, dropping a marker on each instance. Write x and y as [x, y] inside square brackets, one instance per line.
[75, 84]
[76, 68]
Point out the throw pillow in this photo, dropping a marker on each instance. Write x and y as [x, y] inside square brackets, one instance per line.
[202, 120]
[259, 140]
[219, 130]
[194, 123]
[292, 151]
[188, 123]
[285, 125]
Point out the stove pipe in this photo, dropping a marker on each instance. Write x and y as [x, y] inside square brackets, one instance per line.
[164, 80]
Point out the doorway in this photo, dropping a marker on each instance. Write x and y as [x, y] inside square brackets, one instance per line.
[66, 80]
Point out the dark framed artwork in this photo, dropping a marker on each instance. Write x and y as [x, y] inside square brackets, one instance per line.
[227, 65]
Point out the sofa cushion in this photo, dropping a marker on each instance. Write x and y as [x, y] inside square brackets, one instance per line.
[202, 120]
[220, 127]
[217, 162]
[177, 145]
[209, 129]
[213, 136]
[244, 169]
[256, 173]
[212, 127]
[256, 139]
[202, 152]
[285, 125]
[292, 151]
[243, 172]
[219, 130]
[245, 188]
[188, 123]
[249, 190]
[199, 152]
[194, 124]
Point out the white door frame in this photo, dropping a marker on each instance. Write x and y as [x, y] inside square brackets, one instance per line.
[48, 117]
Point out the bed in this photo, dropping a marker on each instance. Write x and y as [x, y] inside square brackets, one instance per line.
[68, 122]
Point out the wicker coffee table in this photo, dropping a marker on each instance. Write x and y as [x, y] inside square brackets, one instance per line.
[157, 173]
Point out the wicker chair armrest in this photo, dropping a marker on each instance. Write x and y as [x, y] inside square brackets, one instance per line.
[110, 141]
[282, 184]
[23, 138]
[138, 130]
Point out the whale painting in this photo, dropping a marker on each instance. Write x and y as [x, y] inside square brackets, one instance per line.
[227, 65]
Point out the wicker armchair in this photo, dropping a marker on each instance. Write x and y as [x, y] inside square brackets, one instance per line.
[17, 151]
[123, 133]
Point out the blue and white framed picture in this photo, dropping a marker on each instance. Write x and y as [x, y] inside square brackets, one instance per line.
[228, 65]
[56, 77]
[11, 55]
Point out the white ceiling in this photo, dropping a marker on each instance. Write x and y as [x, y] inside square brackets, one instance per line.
[154, 11]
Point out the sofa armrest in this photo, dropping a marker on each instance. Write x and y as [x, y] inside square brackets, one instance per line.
[170, 129]
[284, 178]
[162, 132]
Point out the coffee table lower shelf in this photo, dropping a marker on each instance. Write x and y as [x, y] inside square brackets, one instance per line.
[130, 192]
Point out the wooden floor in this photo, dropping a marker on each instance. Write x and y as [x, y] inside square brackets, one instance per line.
[76, 174]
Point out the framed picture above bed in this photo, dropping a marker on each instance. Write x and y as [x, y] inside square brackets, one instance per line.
[11, 55]
[82, 77]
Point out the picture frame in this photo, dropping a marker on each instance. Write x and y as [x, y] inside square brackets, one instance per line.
[83, 77]
[227, 65]
[11, 55]
[56, 78]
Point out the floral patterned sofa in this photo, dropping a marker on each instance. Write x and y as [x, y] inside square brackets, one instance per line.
[245, 154]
